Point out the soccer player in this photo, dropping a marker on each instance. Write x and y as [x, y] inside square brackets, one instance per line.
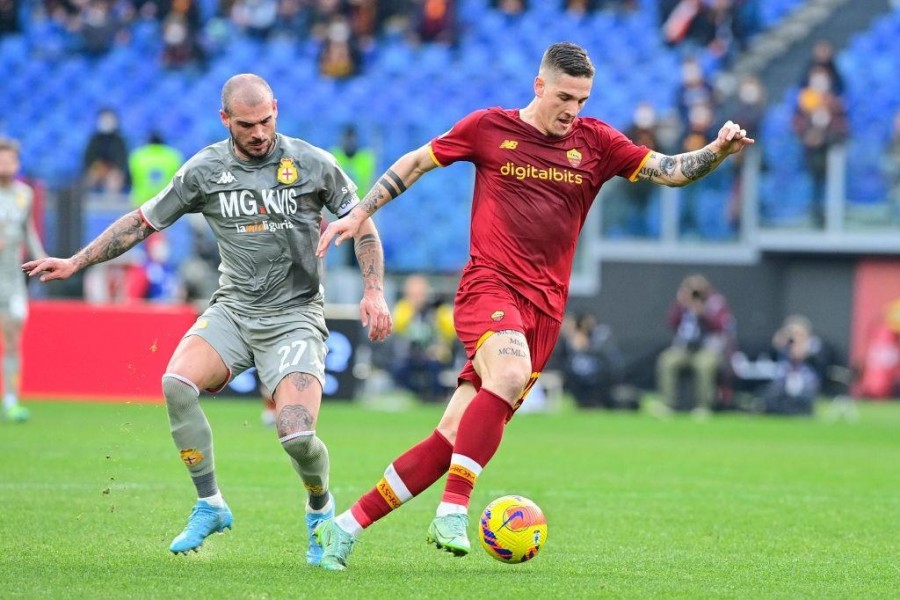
[539, 169]
[262, 194]
[16, 228]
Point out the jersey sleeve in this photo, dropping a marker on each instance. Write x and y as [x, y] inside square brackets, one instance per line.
[625, 157]
[338, 191]
[458, 143]
[181, 196]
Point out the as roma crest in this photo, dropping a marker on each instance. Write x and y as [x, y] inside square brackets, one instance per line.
[574, 157]
[287, 171]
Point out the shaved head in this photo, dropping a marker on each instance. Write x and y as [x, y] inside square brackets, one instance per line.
[246, 88]
[249, 111]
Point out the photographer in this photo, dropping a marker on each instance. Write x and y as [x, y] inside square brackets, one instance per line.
[797, 380]
[704, 339]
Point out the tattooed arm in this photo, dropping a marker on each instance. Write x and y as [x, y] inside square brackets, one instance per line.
[118, 238]
[396, 180]
[373, 310]
[684, 169]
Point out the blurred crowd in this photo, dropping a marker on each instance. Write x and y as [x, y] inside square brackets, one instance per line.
[346, 29]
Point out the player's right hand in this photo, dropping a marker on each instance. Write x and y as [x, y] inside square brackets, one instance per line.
[52, 268]
[340, 231]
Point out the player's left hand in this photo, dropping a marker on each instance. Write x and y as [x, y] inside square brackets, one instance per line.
[732, 139]
[374, 314]
[340, 231]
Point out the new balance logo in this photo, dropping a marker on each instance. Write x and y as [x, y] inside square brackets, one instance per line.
[226, 177]
[509, 144]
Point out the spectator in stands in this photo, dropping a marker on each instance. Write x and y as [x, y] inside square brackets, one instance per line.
[181, 35]
[750, 108]
[99, 27]
[363, 16]
[423, 340]
[704, 339]
[511, 8]
[627, 204]
[338, 57]
[694, 89]
[699, 127]
[820, 123]
[822, 59]
[152, 166]
[395, 17]
[106, 156]
[579, 8]
[255, 17]
[9, 17]
[593, 365]
[714, 26]
[436, 21]
[322, 14]
[797, 379]
[891, 169]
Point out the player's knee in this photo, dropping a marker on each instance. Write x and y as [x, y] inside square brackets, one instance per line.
[180, 392]
[301, 445]
[509, 380]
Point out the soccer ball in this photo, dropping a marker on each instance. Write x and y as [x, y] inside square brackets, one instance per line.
[512, 529]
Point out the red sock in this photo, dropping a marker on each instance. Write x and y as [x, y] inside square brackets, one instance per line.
[478, 437]
[408, 476]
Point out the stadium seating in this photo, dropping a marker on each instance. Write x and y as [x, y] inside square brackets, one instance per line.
[869, 66]
[406, 95]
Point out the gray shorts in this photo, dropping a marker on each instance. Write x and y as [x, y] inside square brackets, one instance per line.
[276, 344]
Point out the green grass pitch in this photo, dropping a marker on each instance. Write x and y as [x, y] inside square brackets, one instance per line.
[736, 507]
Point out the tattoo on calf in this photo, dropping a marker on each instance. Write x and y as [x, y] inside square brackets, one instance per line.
[695, 165]
[294, 418]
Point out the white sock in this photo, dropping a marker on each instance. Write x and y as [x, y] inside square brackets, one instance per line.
[9, 401]
[348, 523]
[218, 501]
[445, 508]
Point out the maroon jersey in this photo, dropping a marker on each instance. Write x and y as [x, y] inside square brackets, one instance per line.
[533, 193]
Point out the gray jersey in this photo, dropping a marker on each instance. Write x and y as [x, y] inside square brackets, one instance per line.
[265, 215]
[16, 203]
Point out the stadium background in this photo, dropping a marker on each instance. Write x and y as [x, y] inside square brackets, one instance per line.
[769, 262]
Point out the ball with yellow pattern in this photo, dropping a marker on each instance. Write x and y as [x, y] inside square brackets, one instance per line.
[512, 529]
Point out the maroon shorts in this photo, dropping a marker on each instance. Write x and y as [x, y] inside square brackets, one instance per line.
[487, 304]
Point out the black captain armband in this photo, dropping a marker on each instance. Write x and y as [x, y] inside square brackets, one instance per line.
[392, 183]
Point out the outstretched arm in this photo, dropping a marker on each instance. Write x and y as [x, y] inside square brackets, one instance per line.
[684, 169]
[396, 180]
[118, 238]
[373, 310]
